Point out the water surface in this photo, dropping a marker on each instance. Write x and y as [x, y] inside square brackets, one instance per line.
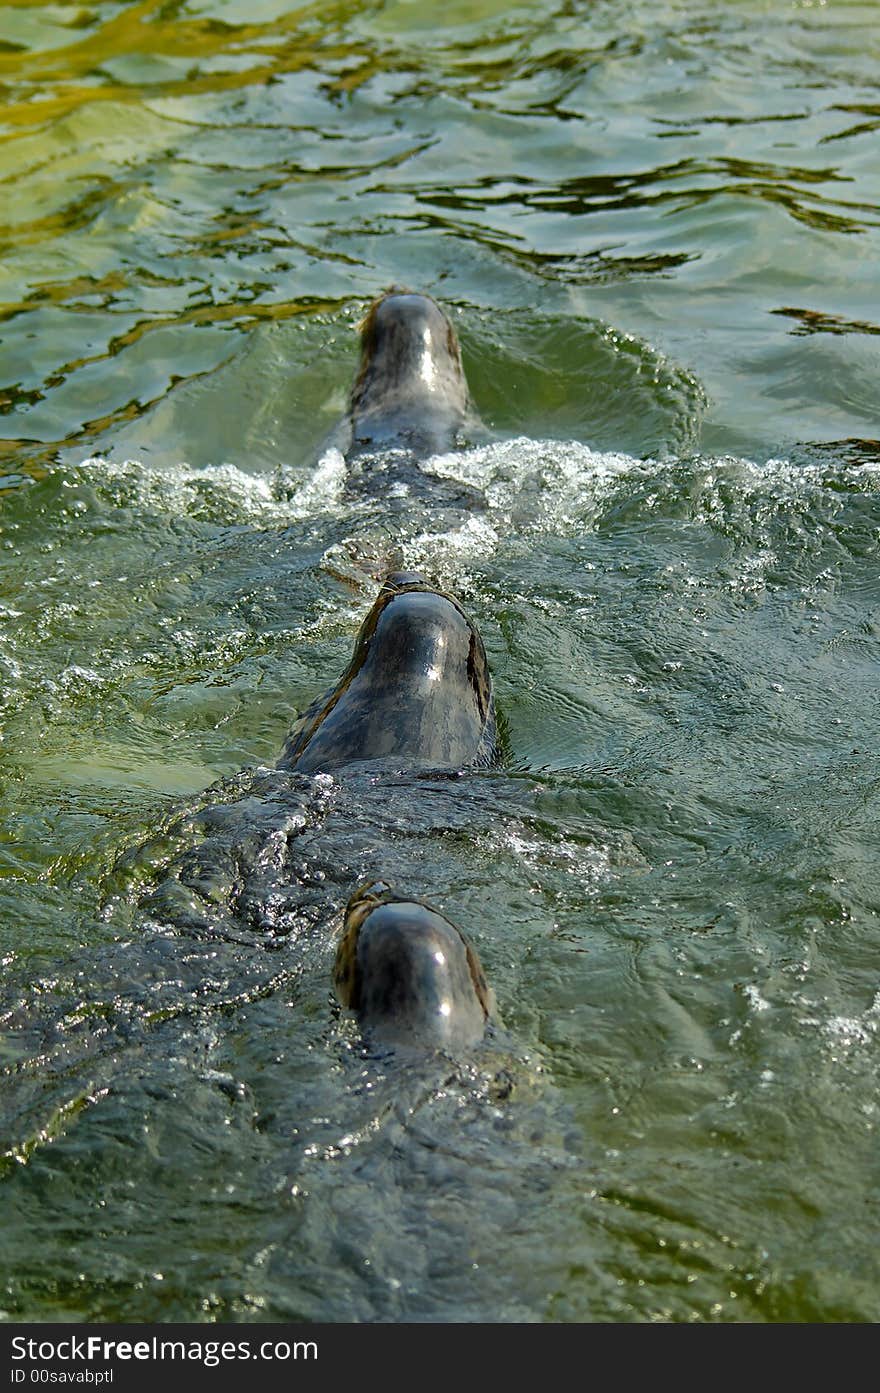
[656, 229]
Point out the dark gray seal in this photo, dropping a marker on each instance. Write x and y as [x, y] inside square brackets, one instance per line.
[409, 974]
[410, 392]
[417, 690]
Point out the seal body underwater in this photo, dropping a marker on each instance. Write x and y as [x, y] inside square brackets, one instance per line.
[409, 973]
[417, 691]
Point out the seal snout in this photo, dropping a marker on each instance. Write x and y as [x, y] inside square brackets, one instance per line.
[409, 973]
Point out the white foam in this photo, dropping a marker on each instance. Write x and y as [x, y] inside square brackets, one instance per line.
[590, 865]
[322, 490]
[530, 486]
[183, 488]
[476, 537]
[756, 1001]
[554, 474]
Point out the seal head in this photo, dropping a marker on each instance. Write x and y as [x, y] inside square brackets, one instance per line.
[417, 690]
[410, 974]
[410, 391]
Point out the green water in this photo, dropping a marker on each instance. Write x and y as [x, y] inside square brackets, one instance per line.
[656, 229]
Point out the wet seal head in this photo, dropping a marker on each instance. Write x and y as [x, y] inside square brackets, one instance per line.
[409, 973]
[410, 390]
[417, 691]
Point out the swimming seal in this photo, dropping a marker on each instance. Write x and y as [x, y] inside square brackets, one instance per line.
[410, 391]
[417, 690]
[409, 973]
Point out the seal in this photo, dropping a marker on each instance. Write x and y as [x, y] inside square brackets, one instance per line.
[409, 973]
[417, 690]
[410, 391]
